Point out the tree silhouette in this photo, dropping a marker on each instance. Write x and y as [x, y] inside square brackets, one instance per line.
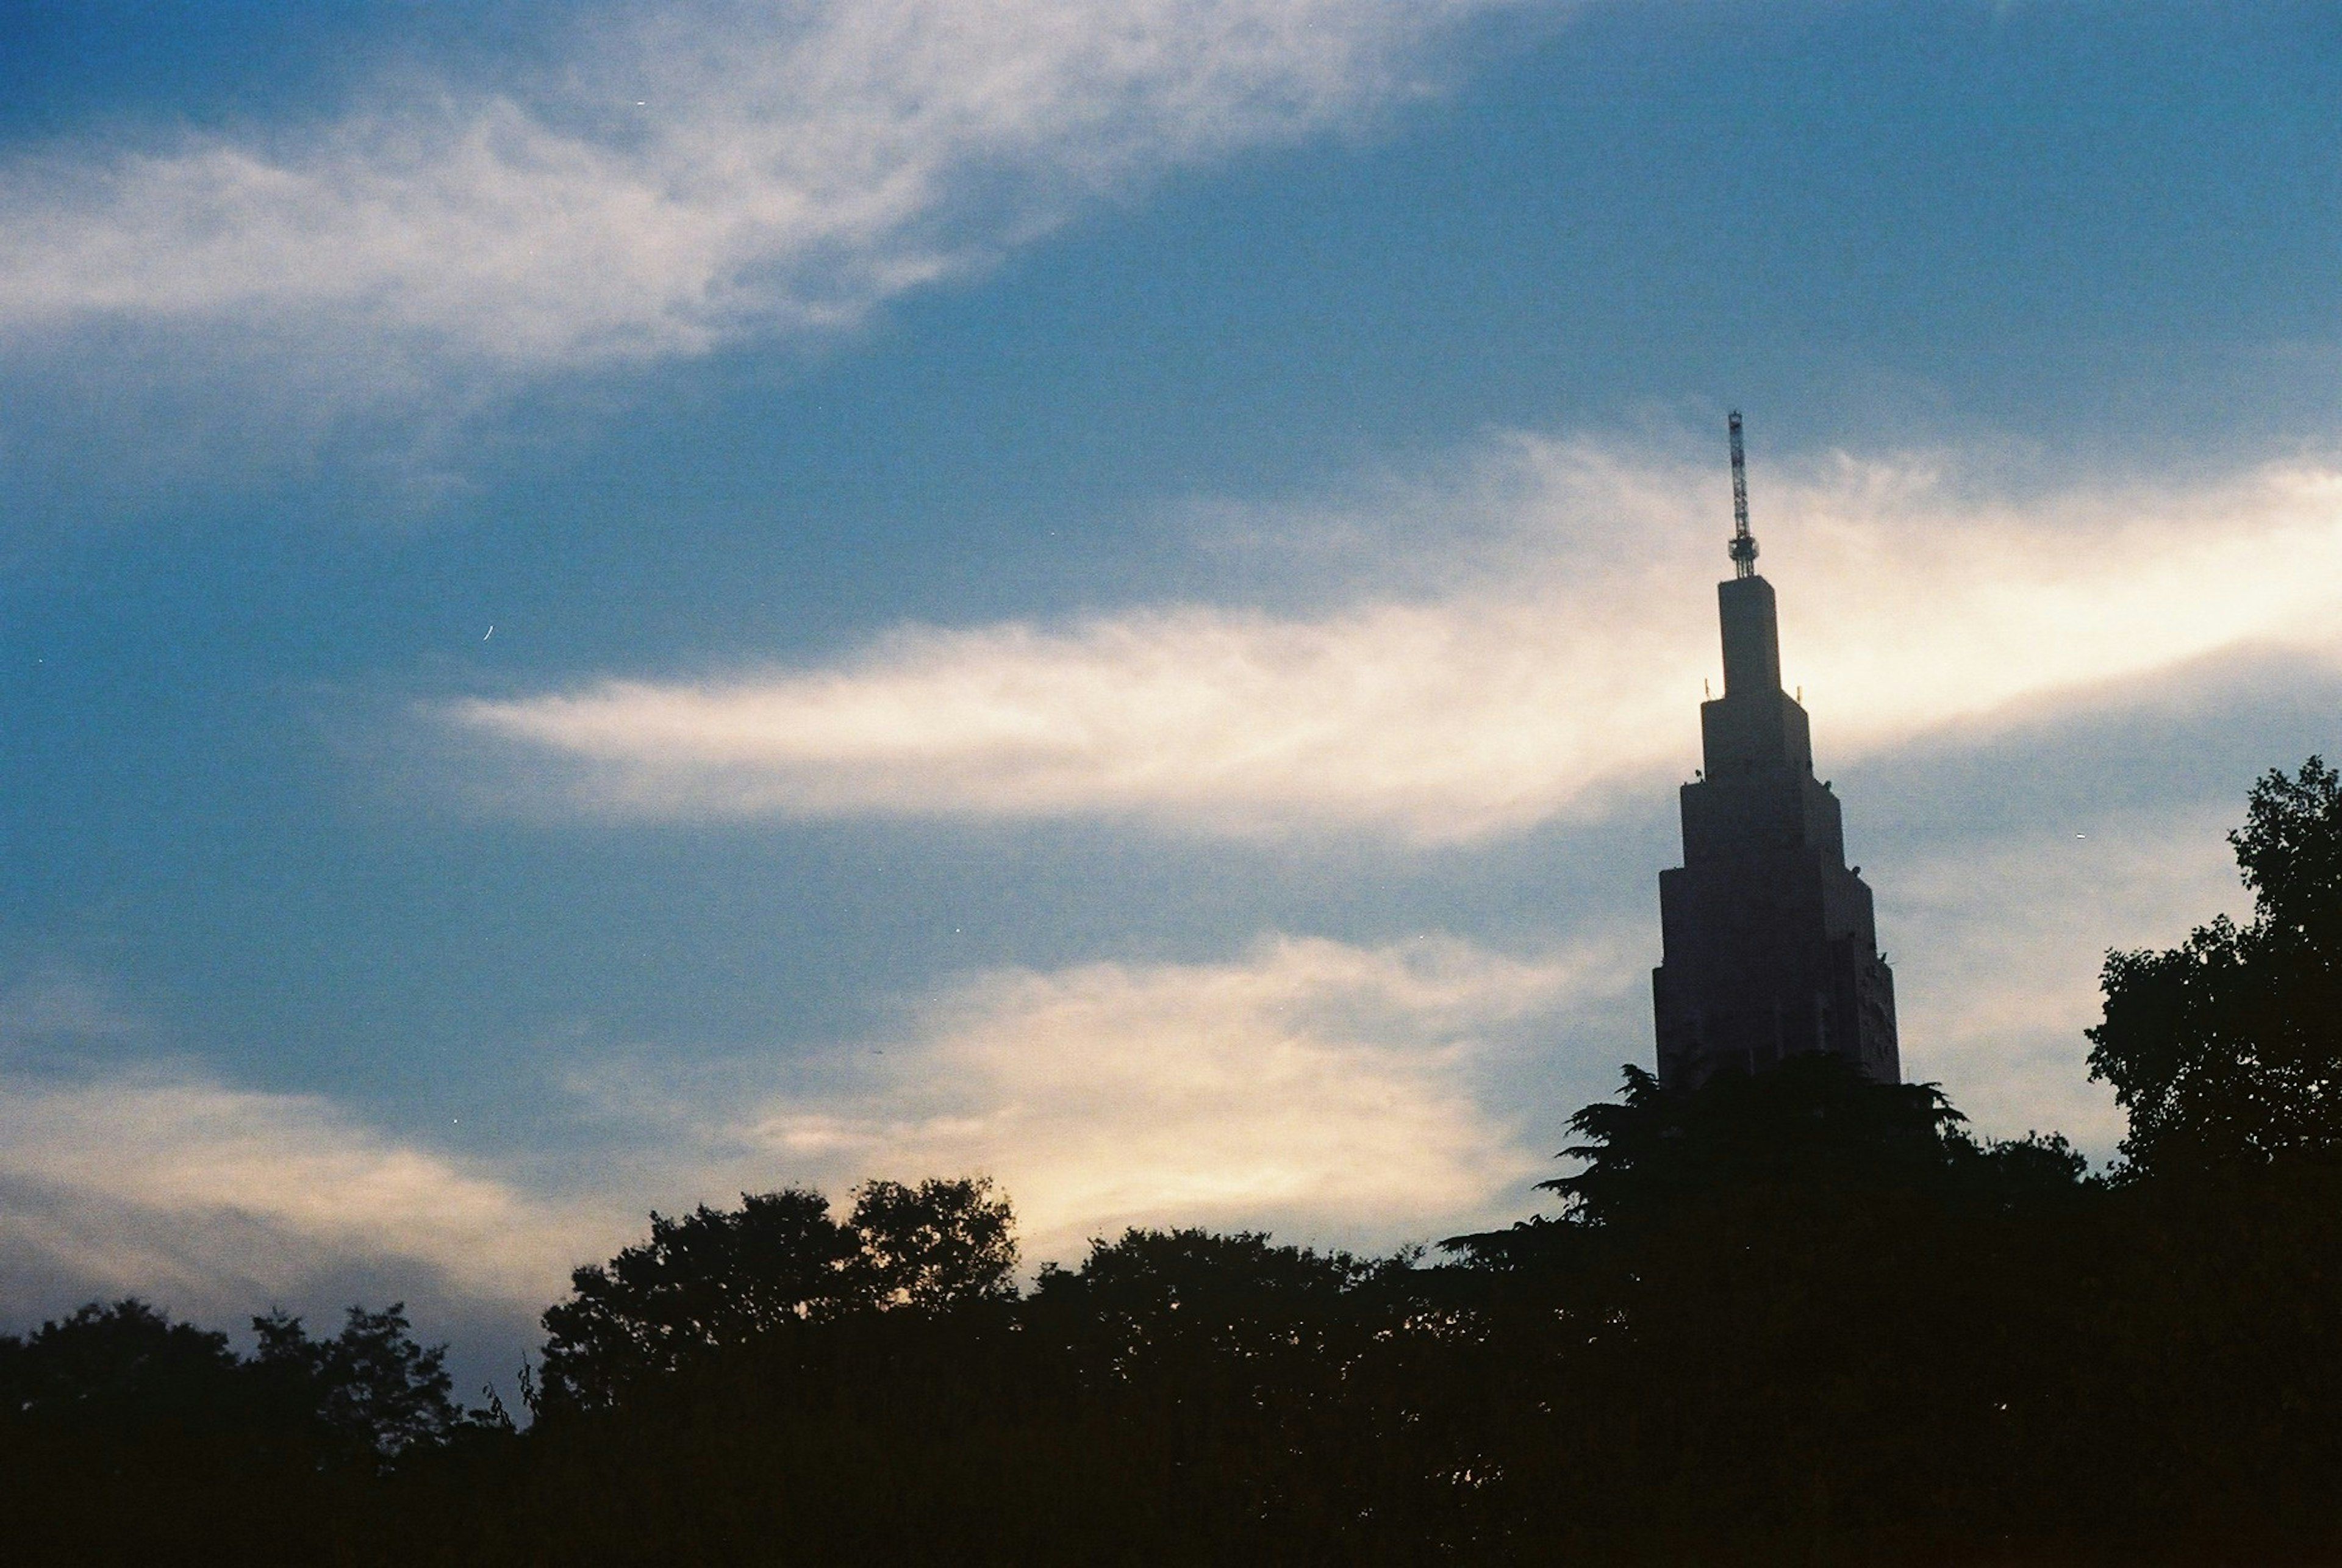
[930, 1246]
[1154, 1293]
[1811, 1122]
[709, 1279]
[126, 1362]
[719, 1279]
[370, 1392]
[1742, 1151]
[2227, 1050]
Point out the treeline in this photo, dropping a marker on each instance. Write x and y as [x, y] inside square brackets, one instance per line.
[1797, 1318]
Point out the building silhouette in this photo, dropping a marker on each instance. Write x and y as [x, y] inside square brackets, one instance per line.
[1769, 948]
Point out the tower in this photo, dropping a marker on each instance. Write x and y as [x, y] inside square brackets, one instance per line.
[1769, 947]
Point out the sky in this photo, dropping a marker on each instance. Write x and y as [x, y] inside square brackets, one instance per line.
[604, 606]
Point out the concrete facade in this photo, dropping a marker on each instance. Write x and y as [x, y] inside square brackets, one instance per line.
[1768, 942]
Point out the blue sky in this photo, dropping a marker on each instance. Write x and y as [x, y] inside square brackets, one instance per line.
[1113, 594]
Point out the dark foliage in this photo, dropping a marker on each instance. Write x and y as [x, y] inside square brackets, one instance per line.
[707, 1281]
[118, 1365]
[126, 1437]
[1812, 1123]
[1985, 1358]
[932, 1246]
[368, 1393]
[2227, 1049]
[719, 1279]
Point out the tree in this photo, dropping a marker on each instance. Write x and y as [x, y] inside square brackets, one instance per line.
[1811, 1130]
[710, 1279]
[1153, 1287]
[126, 1362]
[2226, 1051]
[933, 1246]
[370, 1392]
[1812, 1122]
[717, 1279]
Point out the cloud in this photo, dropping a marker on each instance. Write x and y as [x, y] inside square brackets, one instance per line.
[167, 1182]
[691, 174]
[55, 1003]
[1312, 1085]
[1334, 1088]
[1561, 656]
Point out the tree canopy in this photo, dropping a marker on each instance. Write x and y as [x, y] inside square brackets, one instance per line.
[368, 1390]
[1811, 1122]
[715, 1279]
[2227, 1050]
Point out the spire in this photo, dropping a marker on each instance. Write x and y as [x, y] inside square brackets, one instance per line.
[1744, 543]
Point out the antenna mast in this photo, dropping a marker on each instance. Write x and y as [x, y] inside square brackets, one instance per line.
[1744, 543]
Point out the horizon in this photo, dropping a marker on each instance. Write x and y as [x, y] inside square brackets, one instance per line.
[605, 608]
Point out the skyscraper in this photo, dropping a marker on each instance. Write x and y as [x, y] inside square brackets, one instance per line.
[1769, 947]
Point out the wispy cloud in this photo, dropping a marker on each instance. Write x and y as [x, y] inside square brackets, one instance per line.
[1336, 1089]
[56, 1003]
[1330, 1089]
[1568, 659]
[162, 1182]
[694, 173]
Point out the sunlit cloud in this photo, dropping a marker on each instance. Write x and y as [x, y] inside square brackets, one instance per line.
[171, 1183]
[692, 172]
[1363, 1094]
[1336, 1088]
[1312, 1085]
[1567, 657]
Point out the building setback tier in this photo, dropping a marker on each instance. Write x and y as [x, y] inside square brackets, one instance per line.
[1770, 947]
